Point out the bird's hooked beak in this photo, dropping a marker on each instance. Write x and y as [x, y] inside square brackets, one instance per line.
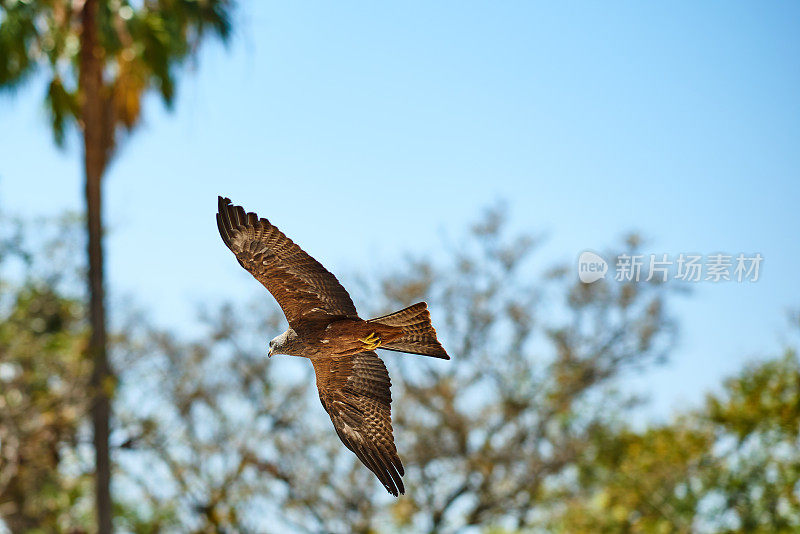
[269, 354]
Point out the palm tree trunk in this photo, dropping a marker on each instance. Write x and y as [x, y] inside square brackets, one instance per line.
[94, 141]
[102, 383]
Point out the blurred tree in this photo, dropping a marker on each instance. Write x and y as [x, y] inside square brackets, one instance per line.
[755, 484]
[99, 57]
[732, 466]
[534, 369]
[636, 482]
[482, 436]
[43, 380]
[523, 430]
[203, 422]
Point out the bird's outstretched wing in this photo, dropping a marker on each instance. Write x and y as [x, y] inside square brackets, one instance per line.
[354, 390]
[299, 283]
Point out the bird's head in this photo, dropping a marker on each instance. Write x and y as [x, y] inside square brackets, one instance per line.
[282, 344]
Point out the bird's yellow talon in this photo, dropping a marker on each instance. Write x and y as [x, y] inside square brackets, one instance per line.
[372, 341]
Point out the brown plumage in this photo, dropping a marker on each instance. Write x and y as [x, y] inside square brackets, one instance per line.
[353, 384]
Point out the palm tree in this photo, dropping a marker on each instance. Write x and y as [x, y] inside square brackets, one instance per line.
[99, 57]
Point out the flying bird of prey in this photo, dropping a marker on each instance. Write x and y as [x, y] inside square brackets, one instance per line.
[324, 327]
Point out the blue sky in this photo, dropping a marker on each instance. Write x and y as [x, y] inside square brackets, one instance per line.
[345, 123]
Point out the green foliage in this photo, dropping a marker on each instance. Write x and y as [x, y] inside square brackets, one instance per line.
[757, 421]
[43, 381]
[636, 482]
[141, 45]
[17, 35]
[732, 466]
[63, 108]
[764, 401]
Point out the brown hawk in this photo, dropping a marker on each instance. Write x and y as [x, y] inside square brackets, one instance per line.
[324, 327]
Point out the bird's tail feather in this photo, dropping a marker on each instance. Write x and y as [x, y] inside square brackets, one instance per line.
[419, 336]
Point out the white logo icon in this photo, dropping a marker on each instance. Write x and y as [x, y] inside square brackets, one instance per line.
[591, 267]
